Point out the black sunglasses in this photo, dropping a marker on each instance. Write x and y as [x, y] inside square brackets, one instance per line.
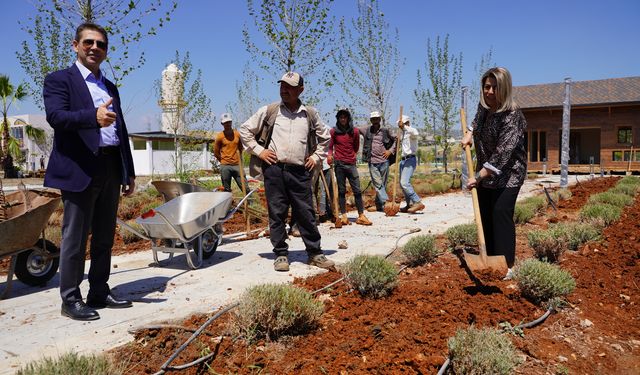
[88, 43]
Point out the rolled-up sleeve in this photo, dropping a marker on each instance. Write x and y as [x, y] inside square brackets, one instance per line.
[250, 129]
[323, 135]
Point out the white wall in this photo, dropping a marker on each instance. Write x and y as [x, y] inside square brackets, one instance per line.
[151, 162]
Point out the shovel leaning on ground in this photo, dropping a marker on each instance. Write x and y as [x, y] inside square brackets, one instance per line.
[334, 201]
[391, 208]
[481, 261]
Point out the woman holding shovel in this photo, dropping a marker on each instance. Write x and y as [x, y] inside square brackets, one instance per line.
[498, 131]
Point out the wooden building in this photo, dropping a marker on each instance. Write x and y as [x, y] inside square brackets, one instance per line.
[605, 125]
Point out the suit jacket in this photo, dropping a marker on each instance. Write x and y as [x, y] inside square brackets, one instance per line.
[72, 115]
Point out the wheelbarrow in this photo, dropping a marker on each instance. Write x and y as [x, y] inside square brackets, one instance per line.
[23, 216]
[189, 223]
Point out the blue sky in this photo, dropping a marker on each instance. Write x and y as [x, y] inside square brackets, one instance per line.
[538, 41]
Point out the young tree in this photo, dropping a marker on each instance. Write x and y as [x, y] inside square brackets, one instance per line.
[187, 108]
[368, 62]
[9, 146]
[298, 36]
[444, 73]
[51, 30]
[479, 68]
[248, 98]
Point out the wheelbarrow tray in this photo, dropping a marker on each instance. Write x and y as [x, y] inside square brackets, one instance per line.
[187, 216]
[173, 189]
[24, 226]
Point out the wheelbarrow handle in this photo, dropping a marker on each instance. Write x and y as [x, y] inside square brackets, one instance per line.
[233, 210]
[132, 230]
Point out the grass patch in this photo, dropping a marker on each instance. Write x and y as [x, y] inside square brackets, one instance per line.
[540, 281]
[73, 364]
[605, 212]
[420, 249]
[612, 198]
[629, 180]
[482, 351]
[462, 235]
[373, 276]
[561, 194]
[273, 310]
[537, 202]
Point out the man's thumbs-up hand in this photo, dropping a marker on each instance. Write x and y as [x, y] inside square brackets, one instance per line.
[104, 116]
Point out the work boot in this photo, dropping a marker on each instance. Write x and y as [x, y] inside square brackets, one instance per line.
[321, 261]
[418, 206]
[362, 220]
[281, 263]
[509, 274]
[345, 219]
[404, 209]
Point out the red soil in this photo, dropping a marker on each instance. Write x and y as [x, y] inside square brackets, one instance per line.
[408, 331]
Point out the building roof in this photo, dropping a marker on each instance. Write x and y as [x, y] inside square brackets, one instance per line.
[583, 93]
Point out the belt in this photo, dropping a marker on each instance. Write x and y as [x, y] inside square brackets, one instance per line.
[408, 157]
[109, 150]
[287, 166]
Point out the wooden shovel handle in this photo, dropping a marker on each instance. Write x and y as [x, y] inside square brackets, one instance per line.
[244, 190]
[397, 166]
[482, 247]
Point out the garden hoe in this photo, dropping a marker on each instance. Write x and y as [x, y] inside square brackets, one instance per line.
[481, 261]
[391, 208]
[337, 222]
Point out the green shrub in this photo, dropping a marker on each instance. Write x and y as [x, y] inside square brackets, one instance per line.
[579, 233]
[373, 276]
[462, 235]
[482, 351]
[537, 202]
[550, 244]
[532, 176]
[612, 198]
[523, 213]
[420, 249]
[541, 281]
[629, 180]
[273, 310]
[439, 186]
[547, 244]
[73, 364]
[127, 235]
[606, 212]
[628, 189]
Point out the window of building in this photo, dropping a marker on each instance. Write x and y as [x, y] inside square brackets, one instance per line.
[17, 132]
[622, 156]
[139, 144]
[625, 135]
[537, 145]
[163, 145]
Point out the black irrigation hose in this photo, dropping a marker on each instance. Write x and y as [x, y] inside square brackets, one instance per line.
[534, 323]
[165, 367]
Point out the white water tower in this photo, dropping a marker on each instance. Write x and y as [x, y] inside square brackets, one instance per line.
[172, 101]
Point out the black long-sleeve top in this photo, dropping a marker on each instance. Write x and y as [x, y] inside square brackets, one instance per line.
[500, 147]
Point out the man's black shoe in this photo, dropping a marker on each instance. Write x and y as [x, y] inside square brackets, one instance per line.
[78, 310]
[109, 301]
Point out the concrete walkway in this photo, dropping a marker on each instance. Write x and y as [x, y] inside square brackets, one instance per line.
[32, 326]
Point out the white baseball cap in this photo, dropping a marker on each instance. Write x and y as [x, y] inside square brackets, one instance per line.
[293, 79]
[405, 119]
[225, 117]
[374, 114]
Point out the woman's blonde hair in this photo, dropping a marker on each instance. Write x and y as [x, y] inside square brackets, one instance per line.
[504, 91]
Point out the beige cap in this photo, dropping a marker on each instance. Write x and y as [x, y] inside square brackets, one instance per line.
[374, 114]
[405, 119]
[293, 79]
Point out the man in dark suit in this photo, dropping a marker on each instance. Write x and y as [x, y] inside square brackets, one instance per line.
[90, 162]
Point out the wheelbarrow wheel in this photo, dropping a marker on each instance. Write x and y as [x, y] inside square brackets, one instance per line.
[209, 241]
[36, 266]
